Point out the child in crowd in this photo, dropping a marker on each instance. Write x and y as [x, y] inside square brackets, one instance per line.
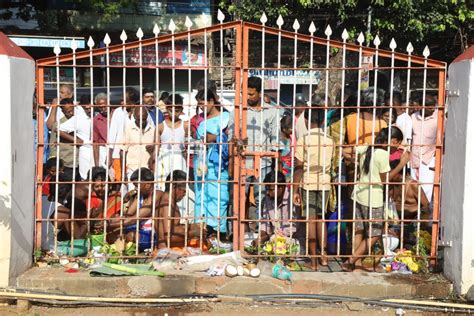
[369, 191]
[280, 215]
[71, 208]
[405, 194]
[314, 154]
[384, 114]
[54, 171]
[102, 196]
[387, 115]
[287, 145]
[53, 168]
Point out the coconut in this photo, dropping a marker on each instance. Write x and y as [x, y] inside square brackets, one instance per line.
[246, 272]
[240, 271]
[255, 272]
[230, 271]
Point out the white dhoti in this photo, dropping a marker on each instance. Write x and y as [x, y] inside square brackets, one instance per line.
[103, 157]
[166, 163]
[86, 160]
[425, 175]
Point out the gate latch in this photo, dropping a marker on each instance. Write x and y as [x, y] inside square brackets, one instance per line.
[453, 93]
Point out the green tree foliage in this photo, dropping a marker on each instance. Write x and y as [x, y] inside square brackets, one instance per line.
[51, 18]
[107, 9]
[445, 25]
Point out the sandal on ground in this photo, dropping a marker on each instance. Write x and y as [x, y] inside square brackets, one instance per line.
[323, 261]
[347, 266]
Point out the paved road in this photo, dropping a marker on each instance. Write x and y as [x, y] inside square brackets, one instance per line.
[229, 309]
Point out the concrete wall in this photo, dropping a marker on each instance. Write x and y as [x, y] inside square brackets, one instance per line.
[457, 214]
[16, 167]
[5, 172]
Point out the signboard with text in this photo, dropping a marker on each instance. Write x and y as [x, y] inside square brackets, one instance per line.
[165, 56]
[287, 76]
[46, 42]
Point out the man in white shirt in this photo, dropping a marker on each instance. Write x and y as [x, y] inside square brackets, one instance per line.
[115, 134]
[404, 121]
[80, 124]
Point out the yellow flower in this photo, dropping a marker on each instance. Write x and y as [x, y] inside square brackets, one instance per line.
[280, 249]
[268, 247]
[280, 239]
[406, 257]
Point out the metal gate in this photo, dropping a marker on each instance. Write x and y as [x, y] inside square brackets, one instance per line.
[300, 78]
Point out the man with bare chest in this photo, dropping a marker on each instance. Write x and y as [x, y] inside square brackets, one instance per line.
[166, 230]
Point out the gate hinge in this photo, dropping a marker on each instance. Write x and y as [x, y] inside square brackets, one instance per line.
[453, 93]
[445, 243]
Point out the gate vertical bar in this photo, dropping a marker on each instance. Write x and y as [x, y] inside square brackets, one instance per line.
[279, 23]
[220, 17]
[426, 53]
[438, 162]
[296, 27]
[139, 35]
[75, 149]
[312, 29]
[188, 25]
[263, 20]
[243, 132]
[238, 242]
[407, 103]
[57, 51]
[39, 153]
[156, 31]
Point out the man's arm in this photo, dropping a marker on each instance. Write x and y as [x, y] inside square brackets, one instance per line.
[52, 116]
[70, 138]
[297, 176]
[424, 203]
[130, 216]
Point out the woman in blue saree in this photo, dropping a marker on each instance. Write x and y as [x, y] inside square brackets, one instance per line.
[211, 165]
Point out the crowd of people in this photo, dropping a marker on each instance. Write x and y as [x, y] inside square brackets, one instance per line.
[138, 170]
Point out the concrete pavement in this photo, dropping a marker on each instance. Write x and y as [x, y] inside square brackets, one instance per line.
[365, 285]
